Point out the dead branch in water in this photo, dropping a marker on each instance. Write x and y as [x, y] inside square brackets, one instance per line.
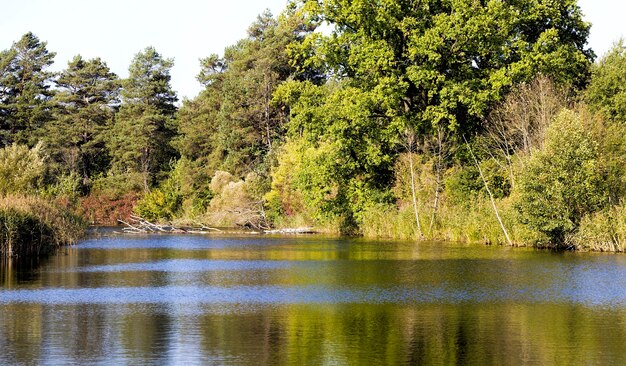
[139, 225]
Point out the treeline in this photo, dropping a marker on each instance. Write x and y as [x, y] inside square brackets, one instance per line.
[458, 120]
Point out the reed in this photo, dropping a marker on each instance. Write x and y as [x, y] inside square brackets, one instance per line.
[603, 231]
[473, 222]
[31, 226]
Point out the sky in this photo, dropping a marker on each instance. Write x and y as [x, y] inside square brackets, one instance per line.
[186, 30]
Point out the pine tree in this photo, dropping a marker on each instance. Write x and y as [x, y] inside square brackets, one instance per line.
[233, 125]
[25, 95]
[144, 124]
[87, 98]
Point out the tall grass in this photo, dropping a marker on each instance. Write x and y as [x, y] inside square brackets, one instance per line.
[473, 222]
[31, 226]
[603, 231]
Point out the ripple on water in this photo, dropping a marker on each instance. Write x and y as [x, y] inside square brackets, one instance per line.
[198, 295]
[189, 265]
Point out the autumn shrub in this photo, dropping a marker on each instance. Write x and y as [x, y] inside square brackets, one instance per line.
[101, 208]
[236, 203]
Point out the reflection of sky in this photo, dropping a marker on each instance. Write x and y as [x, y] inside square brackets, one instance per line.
[597, 295]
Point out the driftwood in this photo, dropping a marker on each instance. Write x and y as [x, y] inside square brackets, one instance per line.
[139, 225]
[299, 230]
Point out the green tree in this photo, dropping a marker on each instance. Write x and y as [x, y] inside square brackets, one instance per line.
[607, 89]
[563, 181]
[144, 125]
[25, 95]
[88, 94]
[420, 65]
[233, 125]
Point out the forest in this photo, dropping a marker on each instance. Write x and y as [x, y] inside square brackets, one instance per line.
[461, 120]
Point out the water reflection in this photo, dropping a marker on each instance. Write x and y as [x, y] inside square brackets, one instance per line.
[311, 301]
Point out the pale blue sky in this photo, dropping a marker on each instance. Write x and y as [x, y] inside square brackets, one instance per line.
[186, 30]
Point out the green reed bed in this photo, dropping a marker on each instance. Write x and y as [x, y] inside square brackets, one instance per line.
[32, 226]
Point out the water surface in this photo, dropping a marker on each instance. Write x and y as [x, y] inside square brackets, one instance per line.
[311, 300]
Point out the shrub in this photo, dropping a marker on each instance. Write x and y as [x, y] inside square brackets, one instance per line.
[236, 203]
[562, 182]
[103, 209]
[21, 169]
[164, 202]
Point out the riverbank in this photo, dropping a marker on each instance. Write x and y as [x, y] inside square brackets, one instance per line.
[33, 226]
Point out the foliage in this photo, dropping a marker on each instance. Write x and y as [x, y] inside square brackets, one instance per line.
[144, 125]
[164, 202]
[236, 202]
[67, 186]
[25, 94]
[607, 89]
[562, 182]
[22, 170]
[603, 231]
[118, 185]
[88, 93]
[285, 200]
[100, 208]
[419, 65]
[232, 125]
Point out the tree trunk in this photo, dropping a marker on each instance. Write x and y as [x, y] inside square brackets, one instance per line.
[493, 202]
[417, 217]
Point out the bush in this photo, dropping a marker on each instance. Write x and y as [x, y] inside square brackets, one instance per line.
[236, 202]
[101, 209]
[562, 182]
[163, 203]
[21, 169]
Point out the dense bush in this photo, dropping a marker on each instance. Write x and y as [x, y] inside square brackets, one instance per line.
[22, 170]
[562, 182]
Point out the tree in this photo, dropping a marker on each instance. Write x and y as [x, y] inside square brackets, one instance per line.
[607, 90]
[394, 65]
[25, 92]
[144, 125]
[233, 125]
[88, 94]
[518, 124]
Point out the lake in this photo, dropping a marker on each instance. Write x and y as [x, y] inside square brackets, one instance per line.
[309, 300]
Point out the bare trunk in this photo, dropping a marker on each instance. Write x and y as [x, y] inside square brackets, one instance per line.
[417, 217]
[438, 177]
[493, 202]
[435, 203]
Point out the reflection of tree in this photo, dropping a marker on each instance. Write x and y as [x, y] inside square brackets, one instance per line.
[501, 334]
[147, 335]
